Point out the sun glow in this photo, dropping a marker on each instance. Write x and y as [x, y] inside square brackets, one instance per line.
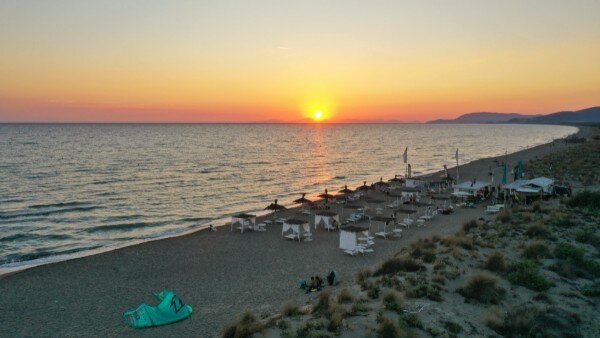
[317, 115]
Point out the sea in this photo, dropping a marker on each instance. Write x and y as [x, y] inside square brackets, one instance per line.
[75, 189]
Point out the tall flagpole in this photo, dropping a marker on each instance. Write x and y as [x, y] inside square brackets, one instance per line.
[457, 176]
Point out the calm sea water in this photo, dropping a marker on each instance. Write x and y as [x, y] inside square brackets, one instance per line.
[71, 188]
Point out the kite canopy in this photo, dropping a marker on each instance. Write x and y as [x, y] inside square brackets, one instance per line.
[170, 309]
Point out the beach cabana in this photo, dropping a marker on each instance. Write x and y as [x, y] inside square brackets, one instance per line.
[326, 218]
[296, 229]
[470, 187]
[414, 183]
[349, 239]
[243, 221]
[382, 222]
[538, 184]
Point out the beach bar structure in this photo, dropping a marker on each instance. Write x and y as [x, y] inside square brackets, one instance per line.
[470, 187]
[326, 219]
[296, 229]
[349, 238]
[243, 221]
[537, 185]
[414, 183]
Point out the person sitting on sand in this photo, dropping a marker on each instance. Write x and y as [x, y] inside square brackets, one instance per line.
[319, 283]
[212, 227]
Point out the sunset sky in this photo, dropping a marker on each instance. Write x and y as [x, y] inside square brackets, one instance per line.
[246, 61]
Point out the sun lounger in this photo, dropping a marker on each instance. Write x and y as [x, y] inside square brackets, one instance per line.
[493, 209]
[397, 232]
[293, 237]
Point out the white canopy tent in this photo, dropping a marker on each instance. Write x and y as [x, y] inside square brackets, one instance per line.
[326, 218]
[243, 221]
[470, 187]
[515, 185]
[537, 184]
[295, 229]
[349, 237]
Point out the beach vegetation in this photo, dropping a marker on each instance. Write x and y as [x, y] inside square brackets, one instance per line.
[283, 325]
[527, 273]
[374, 291]
[392, 301]
[408, 320]
[495, 262]
[388, 329]
[467, 226]
[589, 236]
[336, 322]
[452, 327]
[569, 252]
[483, 288]
[538, 230]
[592, 290]
[359, 307]
[323, 304]
[395, 265]
[504, 216]
[585, 200]
[537, 250]
[291, 309]
[345, 296]
[247, 326]
[460, 239]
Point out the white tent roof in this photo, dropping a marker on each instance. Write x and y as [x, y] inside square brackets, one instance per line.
[542, 182]
[515, 185]
[472, 187]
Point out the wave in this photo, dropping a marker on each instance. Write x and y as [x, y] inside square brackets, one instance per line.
[124, 226]
[42, 253]
[58, 205]
[10, 215]
[30, 236]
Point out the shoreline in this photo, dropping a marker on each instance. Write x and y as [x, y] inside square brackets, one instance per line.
[220, 274]
[15, 267]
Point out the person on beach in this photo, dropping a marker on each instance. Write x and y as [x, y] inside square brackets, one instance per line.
[212, 227]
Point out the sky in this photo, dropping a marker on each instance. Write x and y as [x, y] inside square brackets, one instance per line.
[249, 61]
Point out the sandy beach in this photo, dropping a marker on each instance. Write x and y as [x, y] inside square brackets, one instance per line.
[221, 274]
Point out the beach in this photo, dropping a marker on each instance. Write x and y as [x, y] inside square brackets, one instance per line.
[220, 274]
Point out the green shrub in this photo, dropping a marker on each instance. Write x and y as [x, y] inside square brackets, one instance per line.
[538, 230]
[483, 288]
[373, 292]
[504, 216]
[359, 308]
[592, 290]
[362, 275]
[398, 264]
[323, 304]
[345, 296]
[569, 252]
[335, 322]
[466, 227]
[246, 326]
[452, 327]
[388, 329]
[392, 301]
[527, 274]
[407, 320]
[586, 200]
[291, 309]
[537, 250]
[495, 262]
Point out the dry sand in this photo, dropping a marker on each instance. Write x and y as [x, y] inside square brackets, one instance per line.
[221, 274]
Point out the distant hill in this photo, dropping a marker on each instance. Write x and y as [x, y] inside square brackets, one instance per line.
[484, 117]
[580, 116]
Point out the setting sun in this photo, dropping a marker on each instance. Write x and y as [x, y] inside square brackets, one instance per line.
[318, 115]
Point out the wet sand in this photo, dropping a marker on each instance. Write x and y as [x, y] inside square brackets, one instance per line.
[221, 274]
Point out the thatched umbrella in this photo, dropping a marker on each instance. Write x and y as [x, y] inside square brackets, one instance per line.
[327, 196]
[364, 187]
[381, 184]
[302, 200]
[396, 180]
[275, 207]
[346, 190]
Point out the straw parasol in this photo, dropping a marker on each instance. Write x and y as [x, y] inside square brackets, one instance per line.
[381, 183]
[302, 200]
[326, 196]
[346, 190]
[275, 207]
[364, 187]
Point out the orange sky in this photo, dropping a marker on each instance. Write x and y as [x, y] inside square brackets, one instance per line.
[160, 61]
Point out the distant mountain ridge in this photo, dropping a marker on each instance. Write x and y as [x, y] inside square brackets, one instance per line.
[580, 116]
[482, 117]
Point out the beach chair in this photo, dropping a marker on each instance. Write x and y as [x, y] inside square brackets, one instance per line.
[397, 233]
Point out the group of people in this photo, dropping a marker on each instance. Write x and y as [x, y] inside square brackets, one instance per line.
[317, 283]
